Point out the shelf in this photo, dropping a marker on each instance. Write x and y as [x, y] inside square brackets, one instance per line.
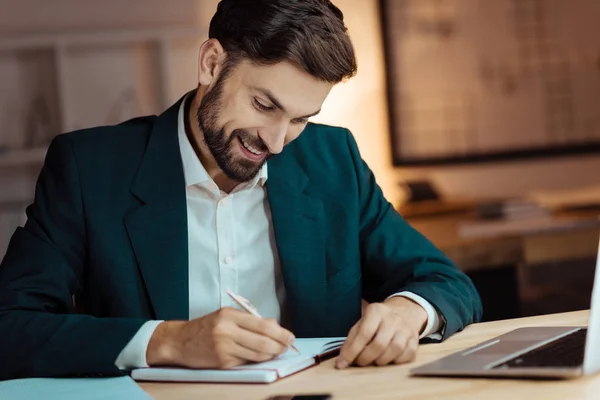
[21, 158]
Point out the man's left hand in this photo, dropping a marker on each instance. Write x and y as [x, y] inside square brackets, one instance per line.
[387, 333]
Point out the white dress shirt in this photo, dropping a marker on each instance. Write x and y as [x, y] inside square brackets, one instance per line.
[231, 246]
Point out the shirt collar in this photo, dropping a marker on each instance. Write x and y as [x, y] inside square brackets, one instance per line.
[193, 170]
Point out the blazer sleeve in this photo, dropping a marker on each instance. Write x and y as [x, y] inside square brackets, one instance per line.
[40, 334]
[395, 257]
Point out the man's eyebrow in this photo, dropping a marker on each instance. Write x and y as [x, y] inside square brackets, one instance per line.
[278, 104]
[311, 115]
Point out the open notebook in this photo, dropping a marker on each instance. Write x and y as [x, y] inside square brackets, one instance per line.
[312, 351]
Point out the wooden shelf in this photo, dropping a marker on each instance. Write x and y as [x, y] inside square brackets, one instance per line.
[21, 158]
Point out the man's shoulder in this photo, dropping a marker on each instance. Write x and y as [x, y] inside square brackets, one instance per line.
[114, 151]
[323, 140]
[134, 131]
[322, 132]
[323, 149]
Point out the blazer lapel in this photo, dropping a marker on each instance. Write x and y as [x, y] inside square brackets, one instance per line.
[298, 223]
[158, 228]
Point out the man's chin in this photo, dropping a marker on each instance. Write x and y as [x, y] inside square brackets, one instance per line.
[243, 173]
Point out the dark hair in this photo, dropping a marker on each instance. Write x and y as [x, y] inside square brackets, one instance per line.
[308, 33]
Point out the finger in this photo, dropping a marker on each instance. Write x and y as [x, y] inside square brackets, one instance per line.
[258, 342]
[340, 362]
[394, 350]
[410, 351]
[265, 327]
[364, 333]
[249, 355]
[378, 345]
[350, 337]
[229, 362]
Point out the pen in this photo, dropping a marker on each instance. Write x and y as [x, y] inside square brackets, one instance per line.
[250, 308]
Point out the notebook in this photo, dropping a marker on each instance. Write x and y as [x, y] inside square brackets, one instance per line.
[312, 352]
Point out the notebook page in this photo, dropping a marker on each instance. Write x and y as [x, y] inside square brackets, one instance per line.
[289, 358]
[316, 346]
[291, 361]
[285, 364]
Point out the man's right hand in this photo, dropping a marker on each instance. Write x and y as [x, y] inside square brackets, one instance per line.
[223, 339]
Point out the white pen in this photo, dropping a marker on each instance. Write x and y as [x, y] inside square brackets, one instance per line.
[250, 308]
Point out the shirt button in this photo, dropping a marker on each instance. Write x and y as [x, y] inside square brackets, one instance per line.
[228, 260]
[223, 203]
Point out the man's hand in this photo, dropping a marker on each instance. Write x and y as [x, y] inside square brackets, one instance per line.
[223, 339]
[387, 333]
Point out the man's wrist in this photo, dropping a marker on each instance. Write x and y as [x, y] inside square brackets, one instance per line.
[416, 313]
[163, 348]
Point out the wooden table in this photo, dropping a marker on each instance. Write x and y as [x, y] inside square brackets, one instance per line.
[393, 382]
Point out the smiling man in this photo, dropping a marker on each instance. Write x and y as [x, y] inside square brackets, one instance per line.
[137, 231]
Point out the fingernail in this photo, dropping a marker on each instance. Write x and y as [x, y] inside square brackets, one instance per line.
[291, 339]
[340, 363]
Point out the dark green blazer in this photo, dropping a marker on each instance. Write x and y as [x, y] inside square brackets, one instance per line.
[108, 232]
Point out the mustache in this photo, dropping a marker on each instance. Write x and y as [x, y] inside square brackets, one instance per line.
[252, 140]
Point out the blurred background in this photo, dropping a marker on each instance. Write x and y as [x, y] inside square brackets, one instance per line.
[479, 118]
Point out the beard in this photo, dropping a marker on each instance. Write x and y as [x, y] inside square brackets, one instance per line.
[221, 145]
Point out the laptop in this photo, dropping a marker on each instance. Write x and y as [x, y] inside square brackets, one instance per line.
[533, 352]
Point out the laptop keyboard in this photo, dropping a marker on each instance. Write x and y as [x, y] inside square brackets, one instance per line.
[567, 351]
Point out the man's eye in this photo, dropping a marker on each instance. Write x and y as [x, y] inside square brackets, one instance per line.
[262, 107]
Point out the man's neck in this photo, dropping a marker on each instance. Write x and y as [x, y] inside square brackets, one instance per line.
[196, 138]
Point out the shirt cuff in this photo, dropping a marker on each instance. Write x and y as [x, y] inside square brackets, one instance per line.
[133, 354]
[434, 327]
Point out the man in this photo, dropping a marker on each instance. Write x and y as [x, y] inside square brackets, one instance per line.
[142, 227]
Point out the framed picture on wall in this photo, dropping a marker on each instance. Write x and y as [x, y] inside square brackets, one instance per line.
[472, 81]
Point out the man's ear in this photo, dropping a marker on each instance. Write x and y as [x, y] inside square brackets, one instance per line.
[210, 60]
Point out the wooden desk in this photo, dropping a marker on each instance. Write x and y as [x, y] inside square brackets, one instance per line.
[393, 382]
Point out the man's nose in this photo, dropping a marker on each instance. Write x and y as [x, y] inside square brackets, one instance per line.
[274, 138]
